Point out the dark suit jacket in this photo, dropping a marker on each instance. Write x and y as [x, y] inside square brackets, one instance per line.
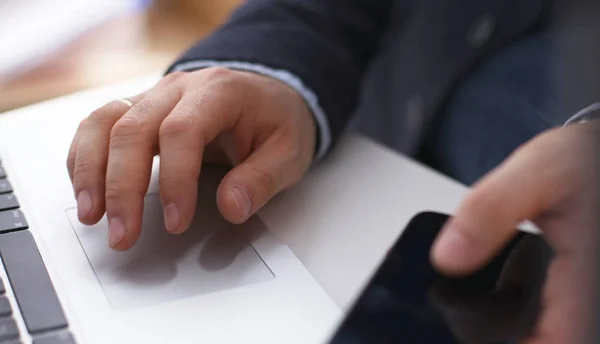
[392, 63]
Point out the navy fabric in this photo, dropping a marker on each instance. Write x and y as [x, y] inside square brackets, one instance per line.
[401, 70]
[327, 44]
[367, 59]
[508, 100]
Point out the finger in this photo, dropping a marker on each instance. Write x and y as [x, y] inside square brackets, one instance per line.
[272, 168]
[527, 184]
[73, 151]
[527, 264]
[196, 120]
[82, 127]
[567, 295]
[133, 143]
[87, 158]
[505, 301]
[481, 318]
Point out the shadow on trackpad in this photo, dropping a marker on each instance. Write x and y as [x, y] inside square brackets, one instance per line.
[211, 256]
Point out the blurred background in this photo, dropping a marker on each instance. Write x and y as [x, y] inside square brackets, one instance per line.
[97, 42]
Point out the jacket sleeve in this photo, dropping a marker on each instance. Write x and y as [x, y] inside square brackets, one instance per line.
[320, 47]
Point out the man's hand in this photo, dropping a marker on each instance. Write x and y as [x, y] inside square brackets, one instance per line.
[260, 125]
[506, 311]
[553, 181]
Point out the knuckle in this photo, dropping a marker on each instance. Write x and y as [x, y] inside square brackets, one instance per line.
[266, 181]
[177, 183]
[98, 118]
[128, 126]
[113, 192]
[116, 190]
[143, 108]
[83, 170]
[295, 151]
[167, 182]
[180, 121]
[217, 72]
[198, 98]
[171, 78]
[82, 164]
[296, 158]
[177, 123]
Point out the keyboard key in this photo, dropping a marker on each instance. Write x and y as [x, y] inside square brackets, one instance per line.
[5, 309]
[5, 186]
[31, 283]
[8, 329]
[56, 338]
[2, 172]
[12, 220]
[8, 201]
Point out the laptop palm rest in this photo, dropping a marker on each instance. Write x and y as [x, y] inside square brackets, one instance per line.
[212, 256]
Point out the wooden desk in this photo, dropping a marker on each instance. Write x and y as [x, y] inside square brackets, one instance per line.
[122, 48]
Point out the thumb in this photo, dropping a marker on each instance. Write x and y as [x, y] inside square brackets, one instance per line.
[527, 184]
[250, 185]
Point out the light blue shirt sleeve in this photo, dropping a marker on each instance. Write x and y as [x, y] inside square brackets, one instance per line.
[287, 78]
[589, 113]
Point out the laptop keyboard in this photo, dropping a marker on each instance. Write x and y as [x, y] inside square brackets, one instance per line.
[38, 304]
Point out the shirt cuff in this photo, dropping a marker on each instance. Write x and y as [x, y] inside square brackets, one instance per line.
[589, 113]
[324, 142]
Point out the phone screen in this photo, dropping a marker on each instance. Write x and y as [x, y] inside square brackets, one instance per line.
[408, 301]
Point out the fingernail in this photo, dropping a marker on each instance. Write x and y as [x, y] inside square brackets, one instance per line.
[171, 218]
[243, 200]
[116, 232]
[84, 204]
[452, 250]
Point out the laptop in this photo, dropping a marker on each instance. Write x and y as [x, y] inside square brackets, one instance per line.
[60, 283]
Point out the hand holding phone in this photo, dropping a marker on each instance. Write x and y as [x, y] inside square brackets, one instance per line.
[409, 301]
[509, 309]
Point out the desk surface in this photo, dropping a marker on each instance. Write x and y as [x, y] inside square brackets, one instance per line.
[345, 214]
[123, 47]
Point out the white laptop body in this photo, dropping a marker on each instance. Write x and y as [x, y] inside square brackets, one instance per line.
[217, 283]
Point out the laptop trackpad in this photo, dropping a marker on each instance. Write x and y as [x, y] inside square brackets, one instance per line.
[211, 256]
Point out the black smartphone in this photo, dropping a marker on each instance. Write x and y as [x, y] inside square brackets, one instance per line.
[409, 301]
